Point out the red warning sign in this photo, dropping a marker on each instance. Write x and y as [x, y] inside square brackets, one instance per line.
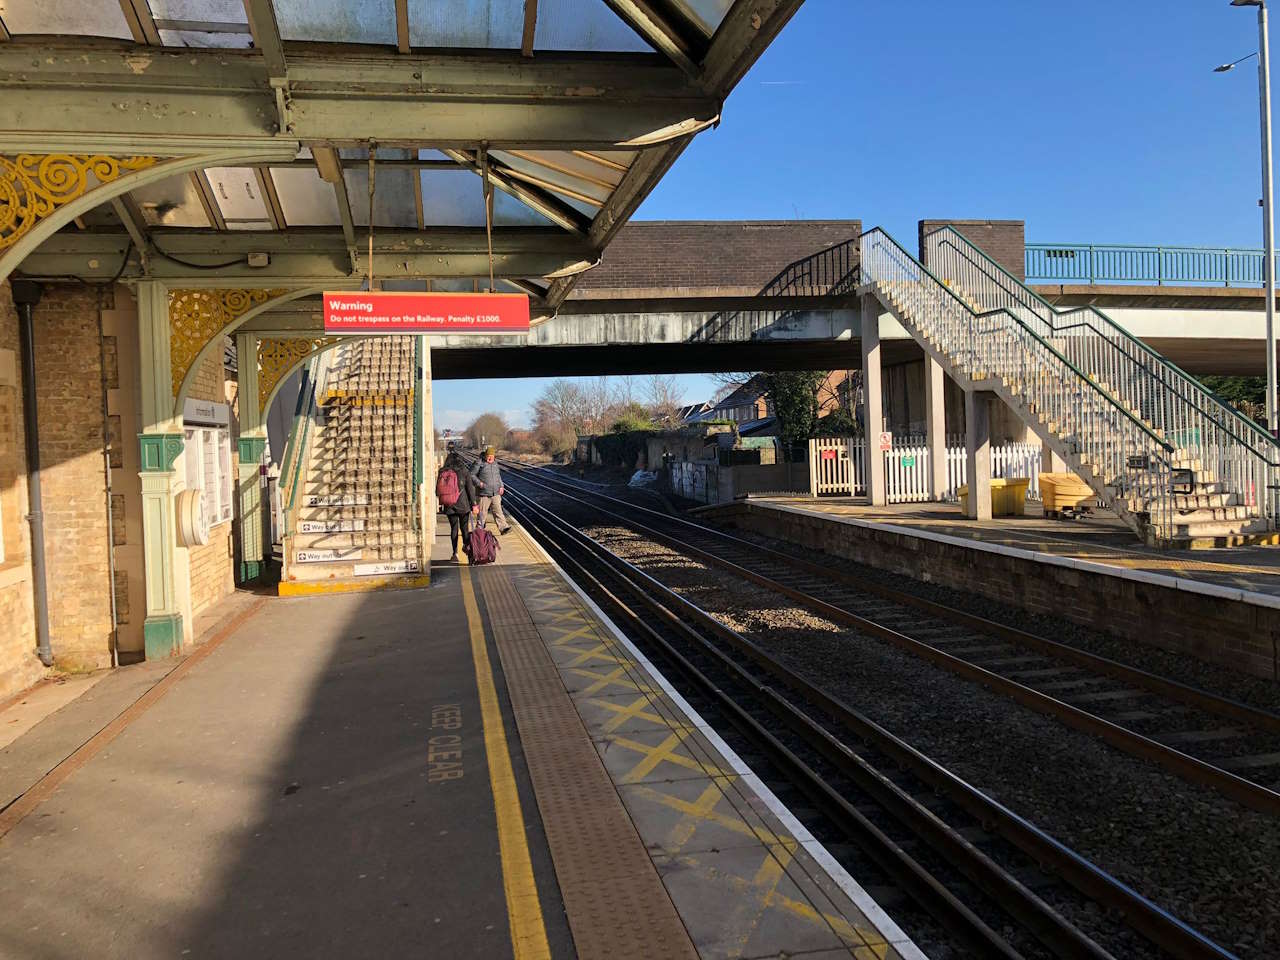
[383, 312]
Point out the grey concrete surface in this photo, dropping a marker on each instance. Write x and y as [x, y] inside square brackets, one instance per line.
[278, 801]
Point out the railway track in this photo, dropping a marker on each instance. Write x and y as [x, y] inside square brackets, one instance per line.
[994, 883]
[1231, 747]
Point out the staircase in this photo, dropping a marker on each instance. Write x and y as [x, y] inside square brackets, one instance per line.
[1176, 464]
[351, 519]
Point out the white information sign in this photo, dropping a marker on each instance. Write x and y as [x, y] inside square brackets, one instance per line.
[336, 500]
[327, 556]
[386, 567]
[330, 526]
[886, 441]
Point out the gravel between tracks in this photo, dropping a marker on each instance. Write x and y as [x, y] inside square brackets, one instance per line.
[1206, 859]
[1257, 691]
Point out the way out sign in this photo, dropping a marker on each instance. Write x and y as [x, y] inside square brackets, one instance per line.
[383, 313]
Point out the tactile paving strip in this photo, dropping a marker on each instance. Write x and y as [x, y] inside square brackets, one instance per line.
[615, 902]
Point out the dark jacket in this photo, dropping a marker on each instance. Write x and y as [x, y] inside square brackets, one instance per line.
[467, 497]
[489, 475]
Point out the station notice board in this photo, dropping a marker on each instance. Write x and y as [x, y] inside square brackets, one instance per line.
[387, 313]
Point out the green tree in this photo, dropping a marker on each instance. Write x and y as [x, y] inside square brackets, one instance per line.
[795, 403]
[1246, 394]
[488, 429]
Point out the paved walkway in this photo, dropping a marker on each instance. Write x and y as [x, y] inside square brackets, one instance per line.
[479, 768]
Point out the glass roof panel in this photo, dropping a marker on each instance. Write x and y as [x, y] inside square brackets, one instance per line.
[572, 167]
[402, 285]
[260, 225]
[708, 13]
[239, 194]
[393, 201]
[174, 202]
[87, 18]
[455, 284]
[452, 198]
[584, 25]
[307, 200]
[568, 185]
[510, 212]
[202, 23]
[466, 23]
[337, 21]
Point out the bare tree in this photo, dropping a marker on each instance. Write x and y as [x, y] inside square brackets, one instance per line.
[599, 402]
[561, 406]
[665, 398]
[625, 392]
[488, 429]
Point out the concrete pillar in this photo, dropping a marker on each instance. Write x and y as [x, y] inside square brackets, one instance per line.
[874, 389]
[935, 412]
[250, 445]
[1050, 462]
[168, 588]
[977, 415]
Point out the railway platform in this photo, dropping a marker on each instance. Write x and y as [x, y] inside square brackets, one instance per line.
[1222, 606]
[482, 767]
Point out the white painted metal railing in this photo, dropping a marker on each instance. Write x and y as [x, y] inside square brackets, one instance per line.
[1205, 431]
[1128, 463]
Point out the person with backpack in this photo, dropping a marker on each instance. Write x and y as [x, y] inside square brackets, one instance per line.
[456, 492]
[488, 480]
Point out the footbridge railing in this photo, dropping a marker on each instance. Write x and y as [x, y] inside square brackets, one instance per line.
[1121, 263]
[1234, 449]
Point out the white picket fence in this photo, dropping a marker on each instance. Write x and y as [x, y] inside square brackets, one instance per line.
[838, 466]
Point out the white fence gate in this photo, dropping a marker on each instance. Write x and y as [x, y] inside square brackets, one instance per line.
[839, 466]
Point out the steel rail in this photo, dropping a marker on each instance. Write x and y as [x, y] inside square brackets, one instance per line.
[1174, 690]
[1247, 792]
[1160, 927]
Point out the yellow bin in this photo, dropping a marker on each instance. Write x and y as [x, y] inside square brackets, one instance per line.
[1008, 497]
[1064, 491]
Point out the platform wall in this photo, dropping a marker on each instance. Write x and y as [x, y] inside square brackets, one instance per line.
[1242, 636]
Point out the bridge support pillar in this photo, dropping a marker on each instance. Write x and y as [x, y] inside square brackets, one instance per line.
[251, 445]
[977, 418]
[936, 426]
[873, 387]
[1050, 462]
[168, 593]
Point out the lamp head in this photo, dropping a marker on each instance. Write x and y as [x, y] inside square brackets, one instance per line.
[1224, 68]
[1248, 3]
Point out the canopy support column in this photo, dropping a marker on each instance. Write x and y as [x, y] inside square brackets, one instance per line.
[161, 440]
[251, 445]
[977, 417]
[876, 492]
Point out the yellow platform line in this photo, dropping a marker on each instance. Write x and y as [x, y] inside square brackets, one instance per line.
[528, 932]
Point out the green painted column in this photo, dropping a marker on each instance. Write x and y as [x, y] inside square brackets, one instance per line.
[251, 445]
[161, 441]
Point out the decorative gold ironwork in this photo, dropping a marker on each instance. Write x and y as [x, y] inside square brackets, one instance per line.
[196, 316]
[33, 185]
[278, 355]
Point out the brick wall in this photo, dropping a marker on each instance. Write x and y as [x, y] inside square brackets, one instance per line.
[19, 666]
[734, 255]
[69, 374]
[1004, 241]
[1238, 635]
[212, 566]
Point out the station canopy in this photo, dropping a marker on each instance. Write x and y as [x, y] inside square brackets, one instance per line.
[246, 132]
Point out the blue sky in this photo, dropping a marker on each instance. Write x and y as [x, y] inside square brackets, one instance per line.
[1093, 120]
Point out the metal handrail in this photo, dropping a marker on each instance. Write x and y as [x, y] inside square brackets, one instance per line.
[307, 403]
[1050, 314]
[1128, 263]
[1235, 450]
[999, 343]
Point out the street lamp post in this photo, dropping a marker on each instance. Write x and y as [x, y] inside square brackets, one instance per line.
[1268, 225]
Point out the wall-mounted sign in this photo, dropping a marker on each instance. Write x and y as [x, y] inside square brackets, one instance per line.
[382, 313]
[206, 413]
[908, 461]
[886, 441]
[828, 454]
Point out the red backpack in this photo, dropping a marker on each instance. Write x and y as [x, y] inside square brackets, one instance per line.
[447, 487]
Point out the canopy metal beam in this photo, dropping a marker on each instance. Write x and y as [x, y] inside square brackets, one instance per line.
[311, 256]
[543, 201]
[86, 97]
[266, 35]
[661, 33]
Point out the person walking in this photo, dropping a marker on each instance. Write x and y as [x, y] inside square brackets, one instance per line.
[488, 479]
[457, 493]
